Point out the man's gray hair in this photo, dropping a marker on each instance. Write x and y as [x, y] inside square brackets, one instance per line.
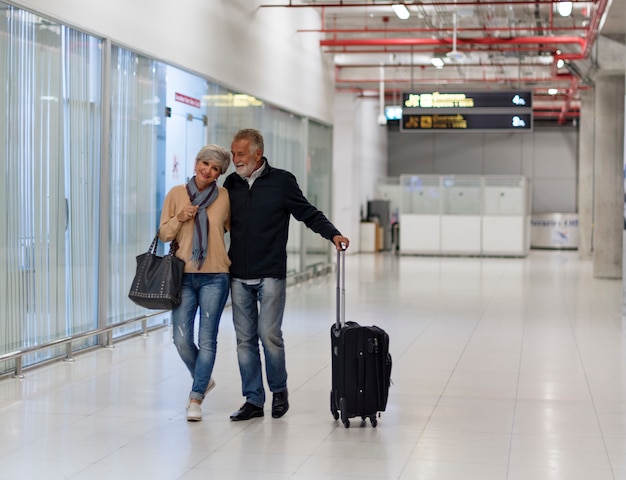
[254, 136]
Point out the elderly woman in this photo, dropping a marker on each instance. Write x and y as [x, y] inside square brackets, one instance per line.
[196, 216]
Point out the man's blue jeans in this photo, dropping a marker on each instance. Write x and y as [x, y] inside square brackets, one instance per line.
[258, 315]
[209, 291]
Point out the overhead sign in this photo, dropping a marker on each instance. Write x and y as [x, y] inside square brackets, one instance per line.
[492, 110]
[468, 121]
[435, 100]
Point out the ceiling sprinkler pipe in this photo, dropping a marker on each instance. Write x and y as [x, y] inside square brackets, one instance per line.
[390, 42]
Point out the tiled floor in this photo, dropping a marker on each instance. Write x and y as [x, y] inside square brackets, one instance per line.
[503, 369]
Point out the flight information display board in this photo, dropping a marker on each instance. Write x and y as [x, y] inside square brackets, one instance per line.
[453, 111]
[468, 121]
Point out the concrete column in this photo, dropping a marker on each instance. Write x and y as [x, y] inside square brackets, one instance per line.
[609, 177]
[585, 174]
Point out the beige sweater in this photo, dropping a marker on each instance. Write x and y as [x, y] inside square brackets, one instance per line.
[170, 228]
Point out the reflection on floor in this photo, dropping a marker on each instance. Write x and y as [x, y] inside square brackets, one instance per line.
[503, 369]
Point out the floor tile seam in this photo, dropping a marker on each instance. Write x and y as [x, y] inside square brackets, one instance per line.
[116, 450]
[578, 352]
[312, 455]
[409, 344]
[456, 364]
[15, 448]
[294, 469]
[587, 382]
[52, 432]
[520, 362]
[517, 385]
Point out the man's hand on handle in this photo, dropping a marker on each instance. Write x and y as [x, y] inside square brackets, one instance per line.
[341, 242]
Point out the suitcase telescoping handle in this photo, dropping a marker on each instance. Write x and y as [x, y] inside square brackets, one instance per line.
[341, 286]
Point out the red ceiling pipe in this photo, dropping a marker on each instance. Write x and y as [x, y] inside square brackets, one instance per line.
[383, 42]
[405, 50]
[555, 114]
[464, 64]
[594, 25]
[570, 96]
[443, 81]
[436, 30]
[590, 38]
[426, 4]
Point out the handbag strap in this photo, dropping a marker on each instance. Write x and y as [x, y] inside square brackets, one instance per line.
[173, 245]
[153, 245]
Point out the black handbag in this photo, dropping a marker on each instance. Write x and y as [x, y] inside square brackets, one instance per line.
[158, 280]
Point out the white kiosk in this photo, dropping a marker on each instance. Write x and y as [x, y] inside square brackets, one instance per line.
[420, 215]
[506, 216]
[464, 215]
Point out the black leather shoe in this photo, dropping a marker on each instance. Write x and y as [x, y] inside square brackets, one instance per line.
[246, 412]
[280, 405]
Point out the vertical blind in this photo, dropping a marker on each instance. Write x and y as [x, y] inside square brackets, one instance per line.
[50, 136]
[133, 175]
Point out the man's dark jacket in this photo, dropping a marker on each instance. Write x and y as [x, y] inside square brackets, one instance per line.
[259, 222]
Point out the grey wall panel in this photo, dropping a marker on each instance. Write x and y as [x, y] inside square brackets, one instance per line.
[553, 195]
[411, 153]
[528, 154]
[504, 153]
[556, 154]
[459, 154]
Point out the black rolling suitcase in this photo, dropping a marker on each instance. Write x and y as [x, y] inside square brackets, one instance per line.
[361, 363]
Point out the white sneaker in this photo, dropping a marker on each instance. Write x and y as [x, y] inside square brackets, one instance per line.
[210, 386]
[194, 412]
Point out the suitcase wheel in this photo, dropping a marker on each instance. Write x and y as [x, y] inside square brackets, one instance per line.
[344, 413]
[373, 420]
[333, 408]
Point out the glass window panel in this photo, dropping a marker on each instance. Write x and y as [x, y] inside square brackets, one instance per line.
[134, 170]
[462, 195]
[505, 195]
[319, 188]
[285, 136]
[82, 66]
[421, 194]
[49, 128]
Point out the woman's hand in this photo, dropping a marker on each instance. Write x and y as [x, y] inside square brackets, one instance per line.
[187, 213]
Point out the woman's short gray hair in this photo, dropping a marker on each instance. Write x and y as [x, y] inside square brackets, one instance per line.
[216, 154]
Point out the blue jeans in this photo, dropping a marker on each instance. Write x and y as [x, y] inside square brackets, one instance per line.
[258, 315]
[209, 291]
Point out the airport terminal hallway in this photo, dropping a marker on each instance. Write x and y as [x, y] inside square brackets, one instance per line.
[503, 369]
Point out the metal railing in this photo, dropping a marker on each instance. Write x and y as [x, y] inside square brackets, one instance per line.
[312, 271]
[17, 355]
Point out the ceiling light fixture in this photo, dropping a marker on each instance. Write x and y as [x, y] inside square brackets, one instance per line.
[401, 11]
[564, 8]
[437, 62]
[552, 91]
[560, 63]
